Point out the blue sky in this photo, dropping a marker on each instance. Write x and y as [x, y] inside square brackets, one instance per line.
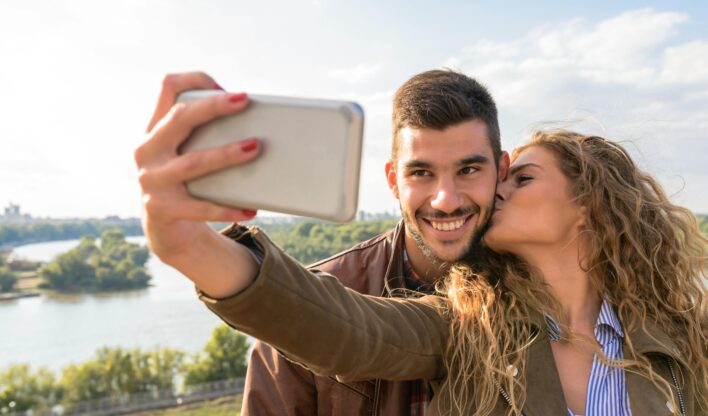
[79, 78]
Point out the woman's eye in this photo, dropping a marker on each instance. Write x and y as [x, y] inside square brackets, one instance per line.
[520, 179]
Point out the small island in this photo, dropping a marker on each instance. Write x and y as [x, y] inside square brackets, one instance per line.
[113, 265]
[13, 275]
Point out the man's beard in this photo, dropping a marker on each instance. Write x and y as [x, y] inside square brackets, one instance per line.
[475, 240]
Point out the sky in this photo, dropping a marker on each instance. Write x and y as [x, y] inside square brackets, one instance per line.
[79, 79]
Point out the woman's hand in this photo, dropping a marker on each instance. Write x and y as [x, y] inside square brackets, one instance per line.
[173, 221]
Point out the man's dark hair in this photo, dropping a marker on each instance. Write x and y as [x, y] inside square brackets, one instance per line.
[442, 98]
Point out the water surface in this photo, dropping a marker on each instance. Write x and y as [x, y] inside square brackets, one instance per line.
[55, 330]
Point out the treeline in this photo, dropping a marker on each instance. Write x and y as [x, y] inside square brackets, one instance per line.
[114, 373]
[115, 264]
[309, 242]
[12, 234]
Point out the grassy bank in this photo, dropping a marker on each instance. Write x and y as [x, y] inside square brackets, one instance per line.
[223, 406]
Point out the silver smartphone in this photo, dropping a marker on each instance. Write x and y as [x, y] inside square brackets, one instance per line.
[310, 159]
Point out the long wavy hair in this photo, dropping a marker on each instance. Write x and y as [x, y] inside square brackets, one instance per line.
[646, 256]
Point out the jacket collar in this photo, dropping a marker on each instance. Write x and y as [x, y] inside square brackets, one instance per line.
[651, 339]
[393, 278]
[543, 388]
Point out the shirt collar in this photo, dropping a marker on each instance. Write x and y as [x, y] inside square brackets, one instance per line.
[609, 318]
[606, 318]
[413, 281]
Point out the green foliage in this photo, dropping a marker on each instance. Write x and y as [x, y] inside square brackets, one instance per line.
[309, 242]
[114, 265]
[16, 234]
[116, 372]
[29, 390]
[7, 279]
[224, 357]
[703, 223]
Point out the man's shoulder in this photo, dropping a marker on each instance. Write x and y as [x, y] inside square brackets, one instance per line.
[365, 261]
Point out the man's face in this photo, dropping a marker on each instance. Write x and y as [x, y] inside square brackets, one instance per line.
[445, 182]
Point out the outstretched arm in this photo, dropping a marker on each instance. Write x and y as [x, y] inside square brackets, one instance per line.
[334, 331]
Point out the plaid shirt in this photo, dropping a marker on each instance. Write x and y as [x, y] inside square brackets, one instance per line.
[420, 390]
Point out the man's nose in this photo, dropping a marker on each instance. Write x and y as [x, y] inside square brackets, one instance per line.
[447, 198]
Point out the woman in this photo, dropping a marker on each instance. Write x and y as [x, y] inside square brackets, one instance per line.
[595, 302]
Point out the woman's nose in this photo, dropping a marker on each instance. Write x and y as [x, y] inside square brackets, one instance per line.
[503, 189]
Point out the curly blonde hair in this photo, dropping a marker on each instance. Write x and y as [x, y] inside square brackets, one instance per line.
[647, 256]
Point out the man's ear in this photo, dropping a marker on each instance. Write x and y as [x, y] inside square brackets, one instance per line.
[504, 163]
[392, 178]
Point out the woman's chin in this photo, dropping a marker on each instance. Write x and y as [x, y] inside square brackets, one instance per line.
[491, 239]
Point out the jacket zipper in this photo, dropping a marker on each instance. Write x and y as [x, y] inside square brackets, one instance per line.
[377, 387]
[678, 390]
[506, 396]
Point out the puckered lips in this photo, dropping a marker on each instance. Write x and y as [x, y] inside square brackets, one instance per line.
[448, 228]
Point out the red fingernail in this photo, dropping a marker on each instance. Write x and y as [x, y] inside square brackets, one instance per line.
[250, 212]
[249, 145]
[235, 98]
[218, 87]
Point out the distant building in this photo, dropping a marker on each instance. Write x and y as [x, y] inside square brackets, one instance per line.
[13, 214]
[12, 210]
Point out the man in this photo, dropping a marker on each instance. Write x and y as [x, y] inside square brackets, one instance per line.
[443, 171]
[446, 160]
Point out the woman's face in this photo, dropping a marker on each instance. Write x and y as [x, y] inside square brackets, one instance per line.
[534, 209]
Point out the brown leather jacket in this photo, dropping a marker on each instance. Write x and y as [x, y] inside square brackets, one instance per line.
[314, 320]
[277, 386]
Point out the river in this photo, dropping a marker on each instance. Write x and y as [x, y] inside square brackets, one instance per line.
[55, 330]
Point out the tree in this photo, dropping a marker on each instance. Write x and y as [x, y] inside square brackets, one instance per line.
[72, 270]
[7, 279]
[27, 389]
[223, 357]
[114, 265]
[116, 372]
[113, 244]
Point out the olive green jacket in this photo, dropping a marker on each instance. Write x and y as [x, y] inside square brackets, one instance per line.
[331, 330]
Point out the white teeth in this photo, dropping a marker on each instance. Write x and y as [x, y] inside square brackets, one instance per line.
[447, 226]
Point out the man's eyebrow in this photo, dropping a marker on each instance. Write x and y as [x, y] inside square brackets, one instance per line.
[517, 168]
[417, 164]
[470, 160]
[473, 160]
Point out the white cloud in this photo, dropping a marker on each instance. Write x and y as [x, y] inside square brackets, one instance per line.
[624, 72]
[358, 73]
[687, 63]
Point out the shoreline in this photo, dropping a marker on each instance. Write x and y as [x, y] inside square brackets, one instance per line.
[17, 295]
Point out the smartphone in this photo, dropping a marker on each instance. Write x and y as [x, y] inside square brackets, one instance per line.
[310, 159]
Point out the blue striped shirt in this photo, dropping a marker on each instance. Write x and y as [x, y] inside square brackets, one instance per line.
[607, 390]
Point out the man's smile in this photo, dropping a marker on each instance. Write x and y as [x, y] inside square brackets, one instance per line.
[448, 228]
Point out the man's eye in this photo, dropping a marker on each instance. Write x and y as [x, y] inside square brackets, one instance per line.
[467, 170]
[420, 173]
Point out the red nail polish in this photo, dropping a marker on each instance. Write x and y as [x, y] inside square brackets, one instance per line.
[218, 87]
[235, 98]
[250, 212]
[249, 145]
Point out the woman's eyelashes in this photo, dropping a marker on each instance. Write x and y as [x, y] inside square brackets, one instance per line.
[522, 178]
